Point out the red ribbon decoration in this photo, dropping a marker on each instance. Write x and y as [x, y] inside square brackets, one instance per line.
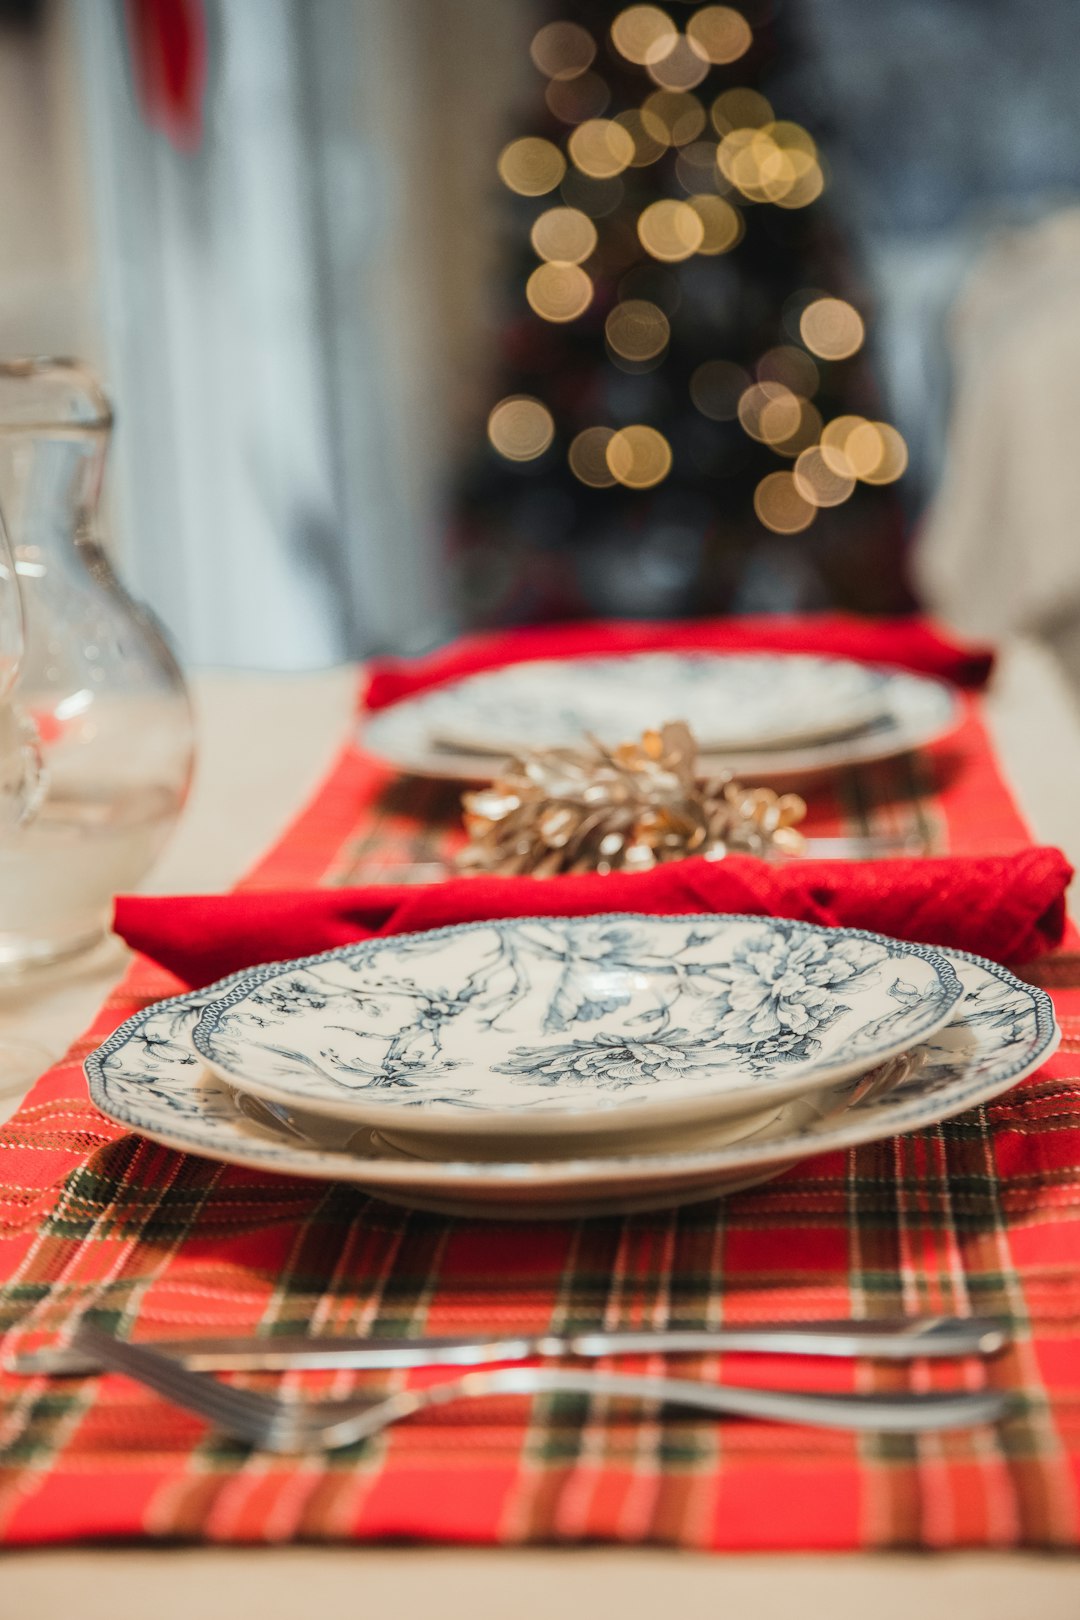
[167, 40]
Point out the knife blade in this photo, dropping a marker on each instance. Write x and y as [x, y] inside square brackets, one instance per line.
[886, 1338]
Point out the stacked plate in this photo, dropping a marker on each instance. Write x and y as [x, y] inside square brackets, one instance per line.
[572, 1066]
[758, 714]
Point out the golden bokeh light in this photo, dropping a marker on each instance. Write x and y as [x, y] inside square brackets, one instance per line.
[588, 457]
[716, 388]
[670, 230]
[574, 100]
[647, 145]
[601, 148]
[520, 428]
[638, 457]
[807, 431]
[769, 412]
[806, 186]
[863, 450]
[780, 506]
[819, 483]
[681, 67]
[697, 170]
[562, 50]
[834, 441]
[740, 109]
[563, 235]
[597, 198]
[641, 33]
[792, 367]
[755, 162]
[831, 328]
[673, 116]
[559, 292]
[637, 330]
[722, 224]
[720, 34]
[893, 459]
[531, 166]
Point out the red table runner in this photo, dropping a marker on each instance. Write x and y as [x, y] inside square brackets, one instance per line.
[979, 1214]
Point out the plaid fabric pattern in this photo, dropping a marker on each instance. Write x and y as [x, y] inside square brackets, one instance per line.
[980, 1213]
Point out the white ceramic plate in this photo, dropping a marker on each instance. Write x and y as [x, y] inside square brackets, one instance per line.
[563, 1028]
[148, 1077]
[730, 701]
[911, 712]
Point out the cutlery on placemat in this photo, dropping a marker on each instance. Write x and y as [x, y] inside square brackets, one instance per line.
[885, 1338]
[288, 1426]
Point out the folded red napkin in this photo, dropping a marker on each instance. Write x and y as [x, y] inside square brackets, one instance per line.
[907, 643]
[1010, 908]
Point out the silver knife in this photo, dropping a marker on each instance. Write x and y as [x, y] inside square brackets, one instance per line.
[887, 1338]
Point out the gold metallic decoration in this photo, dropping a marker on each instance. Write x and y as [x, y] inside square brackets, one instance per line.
[670, 230]
[722, 224]
[819, 483]
[601, 148]
[521, 428]
[780, 505]
[629, 808]
[673, 116]
[638, 456]
[531, 166]
[832, 328]
[562, 50]
[588, 457]
[720, 34]
[637, 330]
[716, 388]
[643, 33]
[559, 292]
[574, 100]
[563, 235]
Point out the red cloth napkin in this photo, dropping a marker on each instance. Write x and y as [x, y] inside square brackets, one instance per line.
[1007, 907]
[908, 643]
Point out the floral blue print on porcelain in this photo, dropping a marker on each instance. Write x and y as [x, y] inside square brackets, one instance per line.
[577, 1024]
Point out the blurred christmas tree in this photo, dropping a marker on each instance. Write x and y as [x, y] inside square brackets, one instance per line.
[684, 420]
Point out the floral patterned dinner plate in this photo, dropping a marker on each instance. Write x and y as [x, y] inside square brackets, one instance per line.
[561, 1028]
[426, 735]
[730, 700]
[148, 1077]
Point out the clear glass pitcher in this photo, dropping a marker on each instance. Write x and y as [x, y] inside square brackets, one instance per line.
[97, 681]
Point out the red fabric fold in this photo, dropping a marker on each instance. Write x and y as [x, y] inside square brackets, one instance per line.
[906, 643]
[1010, 908]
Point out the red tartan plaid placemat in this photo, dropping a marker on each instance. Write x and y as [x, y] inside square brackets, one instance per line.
[979, 1214]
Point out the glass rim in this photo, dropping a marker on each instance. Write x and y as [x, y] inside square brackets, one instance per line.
[55, 368]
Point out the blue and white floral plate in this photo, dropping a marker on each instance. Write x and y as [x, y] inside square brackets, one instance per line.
[729, 700]
[563, 1029]
[763, 717]
[148, 1077]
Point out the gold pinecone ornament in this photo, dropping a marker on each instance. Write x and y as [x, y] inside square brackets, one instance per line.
[624, 809]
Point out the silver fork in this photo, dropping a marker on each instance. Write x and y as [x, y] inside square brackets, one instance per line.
[270, 1423]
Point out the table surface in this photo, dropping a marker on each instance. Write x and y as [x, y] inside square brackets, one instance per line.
[265, 741]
